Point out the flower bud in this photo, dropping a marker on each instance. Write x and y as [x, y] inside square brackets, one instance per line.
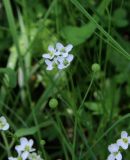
[96, 67]
[53, 103]
[42, 142]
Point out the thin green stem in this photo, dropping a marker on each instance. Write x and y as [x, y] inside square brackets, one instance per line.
[6, 143]
[86, 94]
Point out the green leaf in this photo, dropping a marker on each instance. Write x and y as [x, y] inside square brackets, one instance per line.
[77, 35]
[119, 17]
[10, 76]
[26, 131]
[95, 107]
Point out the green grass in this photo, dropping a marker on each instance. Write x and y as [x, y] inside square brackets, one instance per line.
[93, 108]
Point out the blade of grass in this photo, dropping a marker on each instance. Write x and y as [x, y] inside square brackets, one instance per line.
[107, 35]
[12, 24]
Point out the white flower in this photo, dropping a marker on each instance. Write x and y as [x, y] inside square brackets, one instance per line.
[64, 62]
[25, 146]
[58, 57]
[34, 156]
[61, 50]
[21, 156]
[51, 53]
[51, 64]
[114, 152]
[124, 141]
[3, 124]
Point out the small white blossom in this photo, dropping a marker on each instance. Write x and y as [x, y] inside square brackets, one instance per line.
[114, 152]
[124, 141]
[51, 53]
[3, 124]
[58, 57]
[64, 62]
[63, 50]
[25, 146]
[51, 64]
[34, 156]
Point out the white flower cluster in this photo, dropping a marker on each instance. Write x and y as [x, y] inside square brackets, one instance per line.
[115, 149]
[25, 151]
[58, 56]
[3, 124]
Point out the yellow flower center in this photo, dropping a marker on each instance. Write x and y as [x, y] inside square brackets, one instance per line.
[125, 140]
[27, 148]
[115, 153]
[1, 124]
[65, 62]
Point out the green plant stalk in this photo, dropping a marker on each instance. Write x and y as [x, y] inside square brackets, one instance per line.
[68, 145]
[86, 94]
[13, 57]
[74, 138]
[65, 151]
[36, 122]
[86, 142]
[12, 25]
[6, 143]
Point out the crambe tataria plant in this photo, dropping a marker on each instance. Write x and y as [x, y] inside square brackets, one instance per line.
[58, 56]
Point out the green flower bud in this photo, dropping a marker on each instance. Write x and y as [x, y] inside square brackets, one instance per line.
[53, 103]
[96, 67]
[42, 142]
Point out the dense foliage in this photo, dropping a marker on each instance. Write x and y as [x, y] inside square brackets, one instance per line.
[74, 113]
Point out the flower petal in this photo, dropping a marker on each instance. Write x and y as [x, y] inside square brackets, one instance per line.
[51, 48]
[2, 118]
[11, 158]
[57, 53]
[49, 67]
[46, 55]
[122, 144]
[24, 155]
[64, 54]
[69, 47]
[19, 148]
[48, 62]
[124, 134]
[30, 142]
[119, 156]
[23, 141]
[60, 59]
[128, 139]
[113, 148]
[70, 58]
[111, 157]
[59, 46]
[6, 127]
[61, 66]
